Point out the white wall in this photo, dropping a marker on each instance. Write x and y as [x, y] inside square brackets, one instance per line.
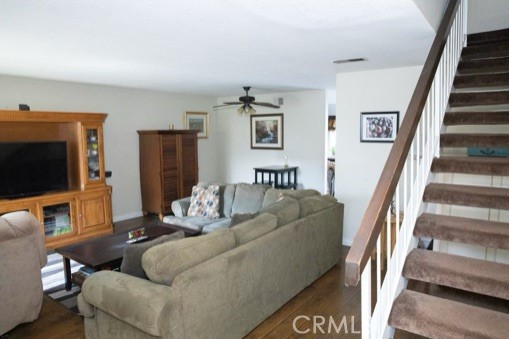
[304, 139]
[487, 15]
[432, 11]
[128, 110]
[358, 165]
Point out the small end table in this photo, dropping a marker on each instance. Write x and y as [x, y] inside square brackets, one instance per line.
[276, 176]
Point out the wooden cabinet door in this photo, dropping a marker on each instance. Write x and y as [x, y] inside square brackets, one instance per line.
[170, 171]
[189, 163]
[94, 211]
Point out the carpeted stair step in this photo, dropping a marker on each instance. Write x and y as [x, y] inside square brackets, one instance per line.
[474, 140]
[479, 98]
[471, 165]
[481, 80]
[467, 195]
[495, 50]
[468, 274]
[484, 233]
[476, 118]
[498, 65]
[491, 37]
[440, 318]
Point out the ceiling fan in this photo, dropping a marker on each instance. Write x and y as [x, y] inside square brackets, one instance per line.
[246, 101]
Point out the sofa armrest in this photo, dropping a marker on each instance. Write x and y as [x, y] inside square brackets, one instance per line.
[179, 207]
[153, 308]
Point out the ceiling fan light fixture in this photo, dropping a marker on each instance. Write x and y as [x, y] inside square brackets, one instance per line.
[246, 109]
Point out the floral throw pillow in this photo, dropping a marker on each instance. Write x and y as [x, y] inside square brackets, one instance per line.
[204, 201]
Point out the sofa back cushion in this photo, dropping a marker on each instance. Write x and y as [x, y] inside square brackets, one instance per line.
[274, 194]
[286, 210]
[6, 231]
[226, 195]
[248, 198]
[226, 203]
[254, 228]
[313, 204]
[164, 262]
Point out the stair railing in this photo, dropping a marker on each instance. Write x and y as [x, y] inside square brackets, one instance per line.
[403, 179]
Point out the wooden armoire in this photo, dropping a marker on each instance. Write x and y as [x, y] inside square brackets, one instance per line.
[168, 168]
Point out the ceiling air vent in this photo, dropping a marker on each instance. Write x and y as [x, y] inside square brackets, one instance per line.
[344, 61]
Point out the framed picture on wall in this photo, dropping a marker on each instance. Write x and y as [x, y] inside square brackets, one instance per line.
[198, 121]
[267, 131]
[379, 126]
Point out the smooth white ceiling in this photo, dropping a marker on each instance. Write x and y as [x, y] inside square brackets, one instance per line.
[210, 47]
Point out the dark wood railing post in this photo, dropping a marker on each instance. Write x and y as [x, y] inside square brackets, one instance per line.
[371, 224]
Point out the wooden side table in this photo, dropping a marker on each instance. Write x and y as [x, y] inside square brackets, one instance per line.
[276, 176]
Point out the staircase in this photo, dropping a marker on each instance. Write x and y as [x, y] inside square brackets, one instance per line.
[479, 101]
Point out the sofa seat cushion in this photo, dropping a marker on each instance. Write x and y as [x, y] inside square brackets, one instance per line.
[313, 204]
[194, 223]
[274, 194]
[164, 262]
[286, 210]
[204, 202]
[131, 261]
[248, 198]
[222, 223]
[254, 228]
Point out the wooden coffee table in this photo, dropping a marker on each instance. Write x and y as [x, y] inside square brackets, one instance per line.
[105, 253]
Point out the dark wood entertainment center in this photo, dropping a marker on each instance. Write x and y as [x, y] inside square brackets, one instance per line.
[84, 210]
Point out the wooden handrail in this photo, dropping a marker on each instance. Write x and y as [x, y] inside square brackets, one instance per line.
[371, 224]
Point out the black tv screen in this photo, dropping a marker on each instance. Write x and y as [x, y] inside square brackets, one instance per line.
[32, 168]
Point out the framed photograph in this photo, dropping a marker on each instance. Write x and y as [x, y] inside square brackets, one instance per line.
[379, 126]
[199, 121]
[267, 131]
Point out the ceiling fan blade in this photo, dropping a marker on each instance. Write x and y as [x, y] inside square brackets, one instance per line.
[228, 104]
[266, 104]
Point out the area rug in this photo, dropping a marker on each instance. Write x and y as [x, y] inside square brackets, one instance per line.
[53, 281]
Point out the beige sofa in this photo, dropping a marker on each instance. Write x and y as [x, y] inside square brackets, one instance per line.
[22, 255]
[222, 284]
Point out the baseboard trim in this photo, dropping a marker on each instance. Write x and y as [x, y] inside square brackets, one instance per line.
[127, 216]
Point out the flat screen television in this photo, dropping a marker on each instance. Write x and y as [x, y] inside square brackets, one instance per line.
[32, 168]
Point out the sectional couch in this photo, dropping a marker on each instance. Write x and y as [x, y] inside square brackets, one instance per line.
[221, 284]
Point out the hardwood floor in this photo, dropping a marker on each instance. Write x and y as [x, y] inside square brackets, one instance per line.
[55, 321]
[327, 297]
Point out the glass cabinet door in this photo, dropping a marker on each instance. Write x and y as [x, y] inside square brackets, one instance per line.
[58, 219]
[94, 170]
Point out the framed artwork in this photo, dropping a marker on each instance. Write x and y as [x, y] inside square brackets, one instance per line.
[379, 126]
[198, 121]
[267, 131]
